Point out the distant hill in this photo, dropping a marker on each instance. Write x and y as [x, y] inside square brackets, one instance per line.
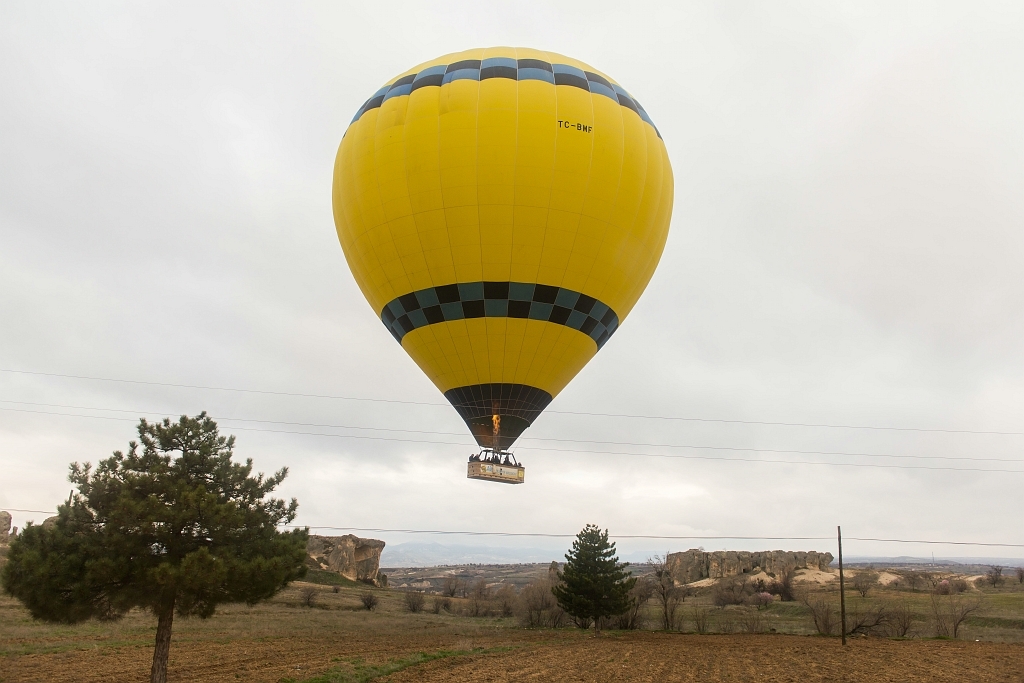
[435, 554]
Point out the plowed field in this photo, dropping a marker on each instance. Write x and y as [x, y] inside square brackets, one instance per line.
[281, 640]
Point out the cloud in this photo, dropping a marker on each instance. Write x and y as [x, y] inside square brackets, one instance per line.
[845, 249]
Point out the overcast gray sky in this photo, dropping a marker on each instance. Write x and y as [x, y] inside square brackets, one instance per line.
[846, 248]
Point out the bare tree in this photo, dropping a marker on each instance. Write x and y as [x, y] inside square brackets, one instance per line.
[951, 612]
[639, 595]
[867, 620]
[826, 620]
[864, 581]
[414, 601]
[369, 600]
[994, 576]
[535, 601]
[913, 579]
[479, 599]
[665, 592]
[309, 595]
[901, 619]
[506, 599]
[450, 586]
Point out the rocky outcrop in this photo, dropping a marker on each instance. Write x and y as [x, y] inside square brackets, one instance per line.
[5, 526]
[694, 565]
[357, 559]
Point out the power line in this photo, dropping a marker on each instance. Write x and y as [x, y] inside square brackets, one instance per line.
[670, 537]
[571, 450]
[525, 438]
[532, 534]
[232, 419]
[556, 412]
[444, 532]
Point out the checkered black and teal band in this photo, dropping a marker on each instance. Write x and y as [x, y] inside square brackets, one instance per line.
[506, 67]
[500, 300]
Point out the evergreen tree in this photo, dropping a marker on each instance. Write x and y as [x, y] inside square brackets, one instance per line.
[594, 583]
[175, 526]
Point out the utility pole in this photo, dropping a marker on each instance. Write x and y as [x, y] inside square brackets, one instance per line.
[842, 585]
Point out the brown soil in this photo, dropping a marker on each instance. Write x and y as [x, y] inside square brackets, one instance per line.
[281, 640]
[663, 657]
[546, 655]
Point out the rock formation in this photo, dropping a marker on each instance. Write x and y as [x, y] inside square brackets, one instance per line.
[357, 559]
[694, 565]
[5, 526]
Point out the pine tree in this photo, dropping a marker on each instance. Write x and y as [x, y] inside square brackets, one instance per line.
[175, 527]
[594, 583]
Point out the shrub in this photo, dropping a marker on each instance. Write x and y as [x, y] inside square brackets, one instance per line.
[336, 589]
[1020, 574]
[730, 592]
[536, 606]
[308, 596]
[414, 601]
[369, 601]
[951, 587]
[557, 617]
[700, 617]
[783, 586]
[442, 603]
[752, 621]
[633, 618]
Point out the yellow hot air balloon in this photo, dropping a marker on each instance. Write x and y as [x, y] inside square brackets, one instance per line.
[502, 209]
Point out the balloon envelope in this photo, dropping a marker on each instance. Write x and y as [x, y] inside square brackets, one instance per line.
[502, 210]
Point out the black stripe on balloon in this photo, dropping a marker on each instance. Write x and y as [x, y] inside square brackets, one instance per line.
[551, 304]
[517, 406]
[516, 70]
